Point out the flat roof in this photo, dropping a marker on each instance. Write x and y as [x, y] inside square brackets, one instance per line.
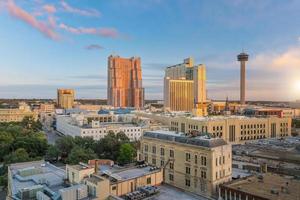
[195, 141]
[28, 174]
[263, 187]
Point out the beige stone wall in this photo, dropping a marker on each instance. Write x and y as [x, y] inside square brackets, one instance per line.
[75, 175]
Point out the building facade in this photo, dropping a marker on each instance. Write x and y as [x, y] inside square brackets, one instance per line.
[17, 114]
[197, 165]
[65, 98]
[233, 129]
[96, 126]
[125, 82]
[185, 88]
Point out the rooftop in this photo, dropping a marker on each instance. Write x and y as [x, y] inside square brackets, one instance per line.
[269, 186]
[202, 141]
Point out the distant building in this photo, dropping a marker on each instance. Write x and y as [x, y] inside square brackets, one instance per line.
[97, 126]
[233, 129]
[261, 187]
[17, 114]
[47, 108]
[124, 87]
[195, 164]
[185, 88]
[65, 98]
[42, 181]
[243, 58]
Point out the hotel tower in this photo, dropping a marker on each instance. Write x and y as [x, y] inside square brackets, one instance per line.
[124, 87]
[185, 88]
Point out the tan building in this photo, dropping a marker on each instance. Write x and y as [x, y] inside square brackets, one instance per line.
[185, 88]
[113, 181]
[195, 164]
[16, 114]
[47, 108]
[124, 87]
[233, 129]
[65, 98]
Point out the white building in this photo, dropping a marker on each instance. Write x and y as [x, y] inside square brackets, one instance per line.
[85, 126]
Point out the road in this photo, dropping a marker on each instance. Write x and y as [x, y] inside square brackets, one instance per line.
[52, 135]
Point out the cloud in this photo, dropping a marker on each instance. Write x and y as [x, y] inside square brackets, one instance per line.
[93, 47]
[49, 8]
[83, 12]
[104, 32]
[44, 27]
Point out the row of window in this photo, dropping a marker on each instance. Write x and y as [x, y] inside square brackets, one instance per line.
[253, 126]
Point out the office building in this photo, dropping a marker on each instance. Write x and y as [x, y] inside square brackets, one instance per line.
[65, 98]
[47, 108]
[17, 114]
[243, 58]
[195, 164]
[124, 83]
[233, 129]
[185, 88]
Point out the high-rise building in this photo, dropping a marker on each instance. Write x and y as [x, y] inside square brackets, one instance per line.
[65, 98]
[185, 88]
[125, 82]
[242, 58]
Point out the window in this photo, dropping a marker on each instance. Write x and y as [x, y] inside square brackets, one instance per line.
[216, 175]
[146, 158]
[146, 148]
[153, 161]
[171, 177]
[203, 160]
[171, 165]
[172, 153]
[162, 163]
[149, 180]
[114, 187]
[154, 149]
[188, 182]
[187, 170]
[162, 151]
[196, 159]
[187, 157]
[223, 159]
[216, 161]
[195, 172]
[203, 174]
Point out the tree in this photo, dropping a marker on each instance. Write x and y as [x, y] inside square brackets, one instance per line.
[20, 155]
[52, 153]
[6, 141]
[85, 142]
[65, 145]
[79, 154]
[30, 123]
[126, 154]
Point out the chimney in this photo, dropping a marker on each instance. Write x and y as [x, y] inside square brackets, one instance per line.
[96, 166]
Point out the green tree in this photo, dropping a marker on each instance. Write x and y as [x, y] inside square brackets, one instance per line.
[126, 154]
[6, 141]
[79, 154]
[52, 153]
[65, 145]
[20, 155]
[85, 142]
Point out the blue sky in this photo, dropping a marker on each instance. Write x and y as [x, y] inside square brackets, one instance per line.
[62, 43]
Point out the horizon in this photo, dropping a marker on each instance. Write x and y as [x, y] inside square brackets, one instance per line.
[47, 45]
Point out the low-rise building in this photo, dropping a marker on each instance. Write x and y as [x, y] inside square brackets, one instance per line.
[96, 126]
[42, 181]
[107, 180]
[17, 114]
[195, 164]
[47, 108]
[233, 129]
[261, 187]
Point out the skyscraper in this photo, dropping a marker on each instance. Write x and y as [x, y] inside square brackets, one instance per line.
[124, 86]
[242, 58]
[65, 98]
[185, 88]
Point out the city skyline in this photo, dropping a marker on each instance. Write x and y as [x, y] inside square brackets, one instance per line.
[66, 44]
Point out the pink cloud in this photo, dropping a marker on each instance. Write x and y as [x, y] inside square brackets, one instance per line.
[26, 17]
[104, 32]
[49, 8]
[87, 12]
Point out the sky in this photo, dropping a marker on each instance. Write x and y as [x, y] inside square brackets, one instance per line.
[48, 44]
